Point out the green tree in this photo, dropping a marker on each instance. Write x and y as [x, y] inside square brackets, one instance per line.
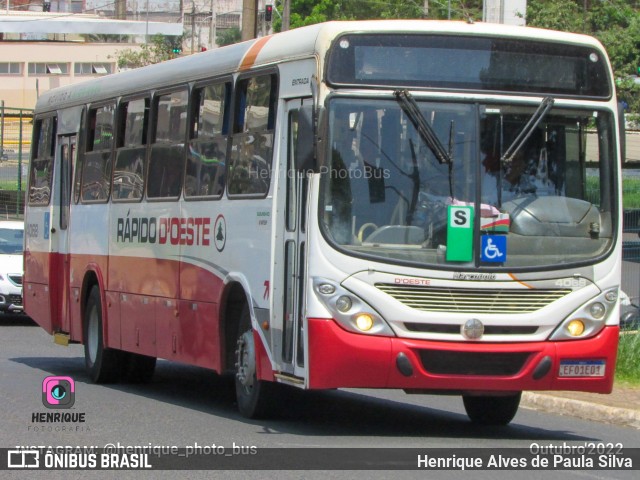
[309, 12]
[564, 15]
[159, 50]
[616, 23]
[228, 36]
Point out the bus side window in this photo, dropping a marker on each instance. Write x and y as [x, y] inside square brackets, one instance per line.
[128, 174]
[166, 160]
[96, 169]
[42, 162]
[252, 140]
[206, 158]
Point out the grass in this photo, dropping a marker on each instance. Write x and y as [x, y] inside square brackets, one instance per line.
[631, 193]
[628, 365]
[11, 184]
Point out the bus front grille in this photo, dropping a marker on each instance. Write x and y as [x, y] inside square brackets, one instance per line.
[472, 300]
[455, 329]
[442, 362]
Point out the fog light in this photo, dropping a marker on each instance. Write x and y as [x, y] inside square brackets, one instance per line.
[575, 328]
[343, 304]
[364, 322]
[597, 310]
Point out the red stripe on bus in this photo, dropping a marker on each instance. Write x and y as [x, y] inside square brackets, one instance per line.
[513, 277]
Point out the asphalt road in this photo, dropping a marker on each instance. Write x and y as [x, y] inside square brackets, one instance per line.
[185, 406]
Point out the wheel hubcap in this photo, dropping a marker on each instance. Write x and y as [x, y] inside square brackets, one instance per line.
[93, 336]
[246, 361]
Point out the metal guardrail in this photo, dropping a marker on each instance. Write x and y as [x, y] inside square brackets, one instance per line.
[631, 255]
[15, 143]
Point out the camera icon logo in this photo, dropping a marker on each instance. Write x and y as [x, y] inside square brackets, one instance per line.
[58, 392]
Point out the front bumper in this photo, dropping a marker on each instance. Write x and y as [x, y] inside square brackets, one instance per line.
[11, 303]
[341, 359]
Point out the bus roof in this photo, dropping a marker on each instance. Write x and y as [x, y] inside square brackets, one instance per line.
[304, 42]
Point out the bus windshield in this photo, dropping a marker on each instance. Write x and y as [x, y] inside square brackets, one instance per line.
[540, 185]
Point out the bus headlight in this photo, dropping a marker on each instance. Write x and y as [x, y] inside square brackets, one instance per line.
[597, 310]
[587, 320]
[351, 312]
[611, 296]
[326, 289]
[344, 303]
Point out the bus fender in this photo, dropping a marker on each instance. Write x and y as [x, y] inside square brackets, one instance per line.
[93, 276]
[264, 361]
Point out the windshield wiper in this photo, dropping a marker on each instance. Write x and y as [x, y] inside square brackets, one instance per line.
[527, 130]
[426, 132]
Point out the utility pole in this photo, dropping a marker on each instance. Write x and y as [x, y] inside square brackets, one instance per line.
[193, 25]
[121, 9]
[249, 19]
[286, 15]
[212, 29]
[425, 9]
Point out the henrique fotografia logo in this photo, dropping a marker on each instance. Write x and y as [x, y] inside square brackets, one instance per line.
[58, 392]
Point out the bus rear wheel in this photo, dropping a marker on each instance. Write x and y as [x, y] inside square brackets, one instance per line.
[491, 410]
[255, 397]
[103, 364]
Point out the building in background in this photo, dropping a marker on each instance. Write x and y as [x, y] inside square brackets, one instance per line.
[41, 49]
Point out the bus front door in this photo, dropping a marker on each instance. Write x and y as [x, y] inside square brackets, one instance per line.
[59, 278]
[293, 340]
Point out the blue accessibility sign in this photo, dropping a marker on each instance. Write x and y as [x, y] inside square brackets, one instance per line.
[493, 248]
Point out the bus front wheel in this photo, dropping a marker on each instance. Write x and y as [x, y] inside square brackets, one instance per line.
[103, 364]
[491, 410]
[255, 397]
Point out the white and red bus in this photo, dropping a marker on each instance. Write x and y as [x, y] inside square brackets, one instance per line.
[417, 205]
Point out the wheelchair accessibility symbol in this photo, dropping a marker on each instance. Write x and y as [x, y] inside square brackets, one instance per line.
[494, 248]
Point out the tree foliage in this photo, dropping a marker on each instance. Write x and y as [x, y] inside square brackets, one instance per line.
[158, 50]
[616, 23]
[228, 37]
[309, 12]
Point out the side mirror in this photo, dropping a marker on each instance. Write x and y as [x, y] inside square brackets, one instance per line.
[306, 147]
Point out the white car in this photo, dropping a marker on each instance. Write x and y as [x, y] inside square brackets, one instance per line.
[11, 266]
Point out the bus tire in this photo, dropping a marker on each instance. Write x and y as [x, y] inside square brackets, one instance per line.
[137, 368]
[491, 410]
[255, 397]
[103, 364]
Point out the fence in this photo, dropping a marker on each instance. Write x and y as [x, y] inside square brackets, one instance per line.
[631, 255]
[15, 143]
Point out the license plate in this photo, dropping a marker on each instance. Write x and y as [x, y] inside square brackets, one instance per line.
[582, 368]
